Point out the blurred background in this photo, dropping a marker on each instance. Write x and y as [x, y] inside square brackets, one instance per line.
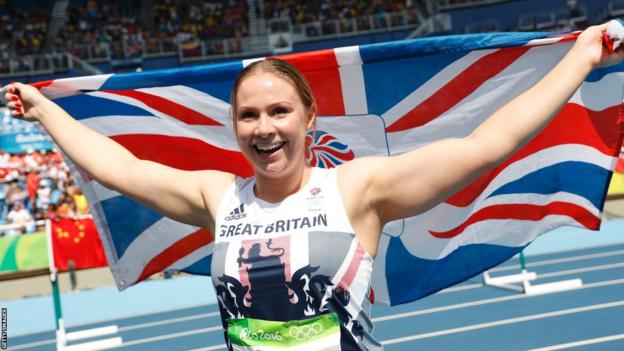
[47, 39]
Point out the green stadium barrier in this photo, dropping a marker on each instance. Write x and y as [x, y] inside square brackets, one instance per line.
[23, 252]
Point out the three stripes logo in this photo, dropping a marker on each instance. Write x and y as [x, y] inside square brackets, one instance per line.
[237, 213]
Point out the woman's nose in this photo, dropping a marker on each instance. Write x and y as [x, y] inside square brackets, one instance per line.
[264, 126]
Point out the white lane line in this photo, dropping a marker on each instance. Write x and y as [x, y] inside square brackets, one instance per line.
[127, 328]
[34, 344]
[581, 270]
[168, 336]
[580, 343]
[541, 275]
[504, 322]
[460, 288]
[168, 321]
[482, 302]
[210, 348]
[560, 260]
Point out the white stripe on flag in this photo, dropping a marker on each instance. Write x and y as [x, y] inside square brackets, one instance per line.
[364, 134]
[219, 136]
[83, 83]
[544, 158]
[434, 84]
[248, 62]
[101, 192]
[464, 117]
[194, 99]
[192, 257]
[154, 240]
[547, 41]
[454, 216]
[501, 232]
[352, 80]
[71, 86]
[605, 93]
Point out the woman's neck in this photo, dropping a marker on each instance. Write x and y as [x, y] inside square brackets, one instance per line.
[275, 190]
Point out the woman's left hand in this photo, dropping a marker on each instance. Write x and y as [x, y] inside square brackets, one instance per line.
[590, 45]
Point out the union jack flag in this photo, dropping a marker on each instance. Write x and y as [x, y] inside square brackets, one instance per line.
[380, 99]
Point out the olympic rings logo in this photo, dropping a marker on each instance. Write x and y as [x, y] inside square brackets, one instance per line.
[305, 332]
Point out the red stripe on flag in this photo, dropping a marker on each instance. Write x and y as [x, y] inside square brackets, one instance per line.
[175, 252]
[600, 130]
[42, 84]
[524, 212]
[320, 69]
[458, 88]
[184, 153]
[171, 108]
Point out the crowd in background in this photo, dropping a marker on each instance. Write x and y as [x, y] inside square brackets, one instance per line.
[22, 32]
[118, 29]
[122, 29]
[111, 25]
[35, 186]
[323, 10]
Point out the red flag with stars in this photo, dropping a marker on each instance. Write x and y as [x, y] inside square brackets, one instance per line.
[76, 240]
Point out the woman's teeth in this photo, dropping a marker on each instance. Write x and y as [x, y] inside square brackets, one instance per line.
[269, 148]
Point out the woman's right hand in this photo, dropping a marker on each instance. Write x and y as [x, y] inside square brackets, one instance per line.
[23, 100]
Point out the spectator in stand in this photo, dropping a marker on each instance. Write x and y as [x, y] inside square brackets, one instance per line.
[4, 209]
[80, 200]
[21, 219]
[43, 195]
[32, 184]
[15, 194]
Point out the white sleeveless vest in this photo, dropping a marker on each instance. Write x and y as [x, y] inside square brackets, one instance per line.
[292, 260]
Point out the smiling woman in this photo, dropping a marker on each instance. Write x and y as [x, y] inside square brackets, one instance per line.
[273, 110]
[294, 244]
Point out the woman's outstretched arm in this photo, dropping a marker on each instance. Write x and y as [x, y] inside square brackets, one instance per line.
[420, 179]
[189, 197]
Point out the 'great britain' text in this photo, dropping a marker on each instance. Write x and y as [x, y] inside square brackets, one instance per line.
[275, 227]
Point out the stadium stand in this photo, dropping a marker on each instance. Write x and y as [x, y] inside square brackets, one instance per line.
[36, 185]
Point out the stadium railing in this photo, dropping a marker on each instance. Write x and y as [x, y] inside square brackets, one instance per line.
[544, 20]
[198, 50]
[616, 8]
[33, 65]
[444, 5]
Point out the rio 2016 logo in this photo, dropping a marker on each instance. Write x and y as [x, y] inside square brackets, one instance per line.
[260, 334]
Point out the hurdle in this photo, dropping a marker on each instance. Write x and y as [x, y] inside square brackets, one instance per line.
[525, 277]
[62, 337]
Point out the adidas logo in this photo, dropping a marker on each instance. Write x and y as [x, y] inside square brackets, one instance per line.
[237, 213]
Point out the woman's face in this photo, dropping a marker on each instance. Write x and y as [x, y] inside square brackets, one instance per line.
[271, 124]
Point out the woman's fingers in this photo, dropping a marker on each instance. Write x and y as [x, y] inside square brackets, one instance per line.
[13, 101]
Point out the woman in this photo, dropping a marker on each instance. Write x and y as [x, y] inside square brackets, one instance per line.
[295, 244]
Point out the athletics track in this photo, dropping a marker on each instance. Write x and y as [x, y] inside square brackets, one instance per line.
[469, 316]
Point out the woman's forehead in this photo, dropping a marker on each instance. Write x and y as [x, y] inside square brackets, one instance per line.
[266, 85]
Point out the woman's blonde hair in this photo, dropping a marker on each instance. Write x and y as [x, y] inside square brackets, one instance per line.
[281, 69]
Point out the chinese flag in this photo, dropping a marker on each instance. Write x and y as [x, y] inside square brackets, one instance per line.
[76, 240]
